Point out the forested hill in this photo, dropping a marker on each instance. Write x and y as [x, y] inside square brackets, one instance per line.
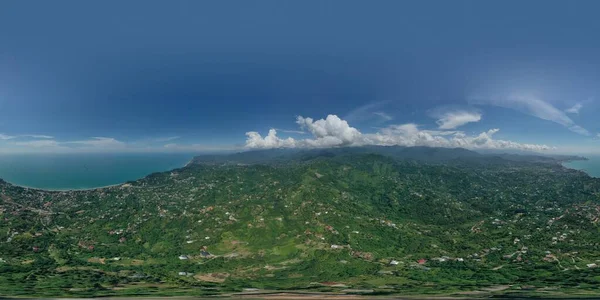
[357, 220]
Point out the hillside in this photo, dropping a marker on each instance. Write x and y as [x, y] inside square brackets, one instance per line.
[376, 220]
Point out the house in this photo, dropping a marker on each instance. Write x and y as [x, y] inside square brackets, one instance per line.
[205, 253]
[394, 262]
[592, 265]
[441, 259]
[137, 276]
[336, 246]
[421, 261]
[185, 274]
[183, 257]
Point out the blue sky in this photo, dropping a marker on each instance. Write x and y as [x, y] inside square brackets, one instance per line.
[200, 75]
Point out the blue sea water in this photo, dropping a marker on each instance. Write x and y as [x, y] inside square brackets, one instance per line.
[84, 171]
[590, 166]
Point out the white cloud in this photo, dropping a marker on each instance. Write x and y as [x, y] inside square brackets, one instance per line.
[454, 119]
[369, 112]
[363, 112]
[256, 141]
[167, 139]
[383, 116]
[329, 132]
[335, 132]
[579, 129]
[575, 109]
[102, 144]
[38, 136]
[46, 143]
[533, 106]
[99, 142]
[34, 136]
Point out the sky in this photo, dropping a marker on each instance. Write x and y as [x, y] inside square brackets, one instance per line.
[168, 76]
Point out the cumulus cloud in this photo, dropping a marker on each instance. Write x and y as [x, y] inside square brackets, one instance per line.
[532, 106]
[574, 109]
[335, 132]
[256, 141]
[329, 132]
[455, 119]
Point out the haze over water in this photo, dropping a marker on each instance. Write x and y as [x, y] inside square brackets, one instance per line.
[84, 171]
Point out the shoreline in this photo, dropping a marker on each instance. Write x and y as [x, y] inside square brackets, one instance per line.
[71, 189]
[565, 164]
[92, 188]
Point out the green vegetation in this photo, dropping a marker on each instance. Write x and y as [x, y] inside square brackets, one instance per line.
[379, 220]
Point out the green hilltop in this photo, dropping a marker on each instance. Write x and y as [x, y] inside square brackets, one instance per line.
[372, 220]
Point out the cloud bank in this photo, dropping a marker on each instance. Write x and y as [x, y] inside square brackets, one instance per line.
[335, 132]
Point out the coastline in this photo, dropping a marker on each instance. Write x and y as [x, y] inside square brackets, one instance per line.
[573, 165]
[57, 190]
[70, 190]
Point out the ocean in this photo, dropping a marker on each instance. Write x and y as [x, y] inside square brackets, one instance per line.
[84, 171]
[591, 166]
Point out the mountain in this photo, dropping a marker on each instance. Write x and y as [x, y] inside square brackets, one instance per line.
[277, 156]
[422, 154]
[371, 220]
